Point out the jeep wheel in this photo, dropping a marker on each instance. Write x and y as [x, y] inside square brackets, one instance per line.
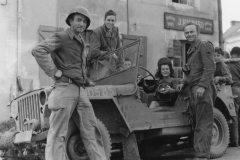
[74, 145]
[220, 135]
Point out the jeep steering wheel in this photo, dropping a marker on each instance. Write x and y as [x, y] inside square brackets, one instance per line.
[149, 74]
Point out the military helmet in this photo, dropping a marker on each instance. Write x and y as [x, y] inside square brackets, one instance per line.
[80, 10]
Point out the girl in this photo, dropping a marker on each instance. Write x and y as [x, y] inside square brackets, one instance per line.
[165, 88]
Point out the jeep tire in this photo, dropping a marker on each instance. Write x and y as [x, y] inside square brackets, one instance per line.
[74, 145]
[220, 135]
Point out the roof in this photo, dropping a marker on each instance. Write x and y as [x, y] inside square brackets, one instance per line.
[232, 31]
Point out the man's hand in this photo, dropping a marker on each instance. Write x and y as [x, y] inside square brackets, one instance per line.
[179, 87]
[231, 60]
[90, 83]
[58, 74]
[216, 79]
[199, 92]
[114, 56]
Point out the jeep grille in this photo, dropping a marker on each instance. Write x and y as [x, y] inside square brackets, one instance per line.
[29, 108]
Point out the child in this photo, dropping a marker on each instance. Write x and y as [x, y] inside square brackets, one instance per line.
[127, 63]
[222, 74]
[165, 90]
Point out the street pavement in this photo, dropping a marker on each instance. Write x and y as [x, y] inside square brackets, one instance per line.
[231, 154]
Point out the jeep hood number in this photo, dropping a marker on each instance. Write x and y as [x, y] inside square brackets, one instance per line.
[100, 91]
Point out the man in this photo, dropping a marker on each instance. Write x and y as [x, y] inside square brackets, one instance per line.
[234, 67]
[67, 67]
[199, 72]
[127, 63]
[105, 39]
[223, 75]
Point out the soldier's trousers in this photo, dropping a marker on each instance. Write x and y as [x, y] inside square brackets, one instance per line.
[202, 112]
[64, 98]
[234, 127]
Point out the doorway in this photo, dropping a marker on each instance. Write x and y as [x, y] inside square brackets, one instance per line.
[180, 58]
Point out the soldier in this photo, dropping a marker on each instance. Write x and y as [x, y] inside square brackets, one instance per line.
[67, 67]
[104, 39]
[234, 67]
[199, 72]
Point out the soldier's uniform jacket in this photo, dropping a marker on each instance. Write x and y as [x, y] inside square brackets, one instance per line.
[102, 41]
[67, 54]
[234, 68]
[201, 60]
[223, 72]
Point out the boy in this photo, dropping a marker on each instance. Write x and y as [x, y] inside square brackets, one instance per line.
[127, 63]
[222, 74]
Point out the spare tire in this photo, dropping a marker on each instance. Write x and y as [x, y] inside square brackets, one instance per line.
[220, 135]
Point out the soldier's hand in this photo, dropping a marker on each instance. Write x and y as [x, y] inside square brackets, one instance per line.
[199, 92]
[58, 74]
[216, 79]
[90, 83]
[114, 56]
[179, 87]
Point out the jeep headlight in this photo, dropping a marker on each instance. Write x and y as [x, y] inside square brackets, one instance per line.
[42, 98]
[14, 109]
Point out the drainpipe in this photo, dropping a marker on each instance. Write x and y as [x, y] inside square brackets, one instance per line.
[220, 23]
[19, 35]
[127, 18]
[19, 42]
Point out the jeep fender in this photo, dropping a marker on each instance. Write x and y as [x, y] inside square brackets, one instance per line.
[225, 101]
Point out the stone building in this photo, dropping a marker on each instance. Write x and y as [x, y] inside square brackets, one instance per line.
[232, 36]
[159, 21]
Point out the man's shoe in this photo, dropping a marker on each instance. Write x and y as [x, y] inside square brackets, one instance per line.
[233, 144]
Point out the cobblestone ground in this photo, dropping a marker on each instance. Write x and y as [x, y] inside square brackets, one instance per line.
[231, 154]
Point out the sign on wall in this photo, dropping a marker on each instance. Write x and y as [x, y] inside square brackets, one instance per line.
[177, 22]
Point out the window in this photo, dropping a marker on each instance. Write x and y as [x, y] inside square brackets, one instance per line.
[180, 1]
[180, 49]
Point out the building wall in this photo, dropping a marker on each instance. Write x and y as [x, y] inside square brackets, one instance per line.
[145, 19]
[152, 23]
[231, 42]
[34, 14]
[8, 54]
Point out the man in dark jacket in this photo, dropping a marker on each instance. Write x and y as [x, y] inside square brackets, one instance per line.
[67, 66]
[234, 67]
[199, 72]
[103, 40]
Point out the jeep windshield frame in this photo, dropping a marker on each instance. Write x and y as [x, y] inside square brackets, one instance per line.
[129, 75]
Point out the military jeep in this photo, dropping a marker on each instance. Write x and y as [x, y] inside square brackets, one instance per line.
[129, 127]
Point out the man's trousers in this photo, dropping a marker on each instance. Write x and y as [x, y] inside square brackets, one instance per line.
[64, 98]
[202, 112]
